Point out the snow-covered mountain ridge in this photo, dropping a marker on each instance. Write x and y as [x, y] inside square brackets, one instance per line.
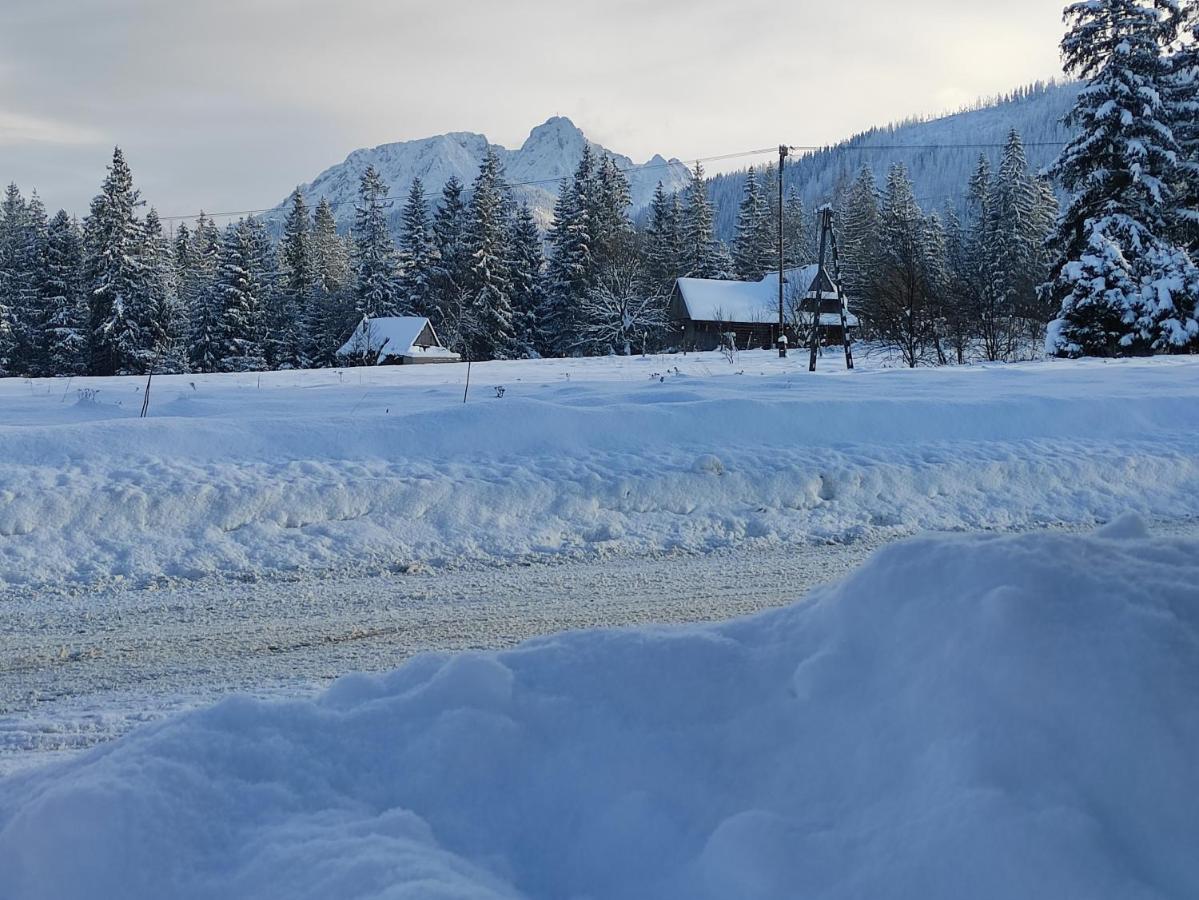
[536, 168]
[940, 154]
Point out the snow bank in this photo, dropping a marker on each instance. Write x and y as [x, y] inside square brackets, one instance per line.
[380, 468]
[963, 717]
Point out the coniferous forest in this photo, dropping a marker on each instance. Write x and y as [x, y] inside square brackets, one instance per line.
[1007, 270]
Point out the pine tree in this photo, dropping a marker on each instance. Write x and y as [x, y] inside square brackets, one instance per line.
[183, 251]
[278, 348]
[664, 241]
[204, 297]
[859, 241]
[751, 247]
[1183, 113]
[611, 227]
[418, 254]
[116, 275]
[1121, 286]
[935, 251]
[66, 303]
[903, 286]
[450, 270]
[13, 222]
[489, 280]
[797, 237]
[958, 302]
[972, 264]
[1011, 247]
[240, 327]
[376, 291]
[331, 317]
[165, 325]
[571, 269]
[289, 324]
[525, 264]
[28, 304]
[700, 251]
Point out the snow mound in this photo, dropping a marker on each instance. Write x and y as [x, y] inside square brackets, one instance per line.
[378, 468]
[963, 717]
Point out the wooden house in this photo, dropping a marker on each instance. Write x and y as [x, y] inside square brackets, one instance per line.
[394, 341]
[704, 312]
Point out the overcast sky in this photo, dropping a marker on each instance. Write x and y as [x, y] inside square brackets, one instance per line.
[228, 104]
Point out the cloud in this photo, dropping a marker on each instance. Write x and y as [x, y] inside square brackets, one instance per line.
[18, 128]
[231, 103]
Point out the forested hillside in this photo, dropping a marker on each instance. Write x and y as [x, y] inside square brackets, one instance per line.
[937, 153]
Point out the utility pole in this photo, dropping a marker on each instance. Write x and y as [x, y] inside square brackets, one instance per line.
[826, 226]
[782, 339]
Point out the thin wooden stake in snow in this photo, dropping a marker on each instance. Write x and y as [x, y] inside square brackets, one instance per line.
[146, 396]
[465, 392]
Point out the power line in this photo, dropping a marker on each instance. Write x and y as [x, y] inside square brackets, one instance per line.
[811, 148]
[863, 147]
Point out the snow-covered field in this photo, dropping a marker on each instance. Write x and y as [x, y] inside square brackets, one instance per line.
[965, 716]
[379, 470]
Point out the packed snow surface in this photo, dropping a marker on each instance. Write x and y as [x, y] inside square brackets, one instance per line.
[965, 716]
[377, 469]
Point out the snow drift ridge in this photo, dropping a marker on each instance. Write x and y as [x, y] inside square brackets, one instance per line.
[982, 717]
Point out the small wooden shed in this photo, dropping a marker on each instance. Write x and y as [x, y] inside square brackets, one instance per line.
[395, 341]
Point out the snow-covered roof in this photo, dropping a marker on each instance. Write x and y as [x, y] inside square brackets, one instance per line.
[390, 337]
[751, 302]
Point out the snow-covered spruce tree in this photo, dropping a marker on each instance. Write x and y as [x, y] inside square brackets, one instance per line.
[489, 279]
[1120, 283]
[622, 312]
[610, 223]
[938, 280]
[13, 226]
[958, 305]
[664, 241]
[240, 327]
[525, 264]
[165, 325]
[331, 316]
[115, 274]
[204, 297]
[183, 249]
[1183, 110]
[751, 245]
[288, 323]
[450, 270]
[266, 275]
[66, 304]
[797, 237]
[376, 290]
[28, 304]
[13, 277]
[418, 254]
[903, 280]
[570, 270]
[1019, 211]
[701, 258]
[859, 248]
